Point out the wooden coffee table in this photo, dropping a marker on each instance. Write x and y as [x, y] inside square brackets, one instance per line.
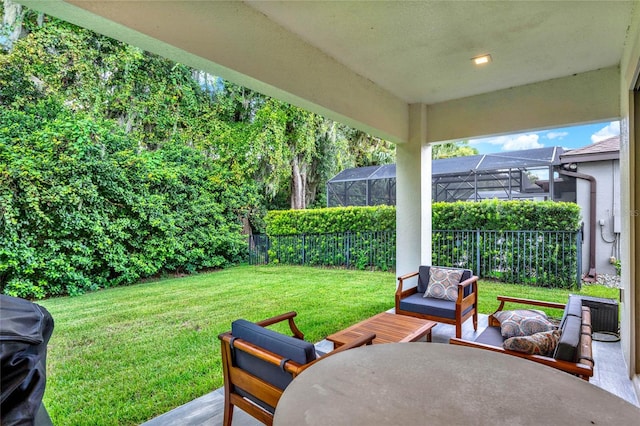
[389, 328]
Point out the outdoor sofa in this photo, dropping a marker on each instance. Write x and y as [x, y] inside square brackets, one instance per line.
[572, 352]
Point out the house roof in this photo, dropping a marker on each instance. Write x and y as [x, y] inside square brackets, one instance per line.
[524, 159]
[608, 149]
[385, 171]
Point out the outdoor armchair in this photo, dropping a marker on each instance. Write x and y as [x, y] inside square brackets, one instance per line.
[446, 295]
[259, 363]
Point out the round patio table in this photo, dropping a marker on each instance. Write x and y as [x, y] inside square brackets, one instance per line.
[440, 384]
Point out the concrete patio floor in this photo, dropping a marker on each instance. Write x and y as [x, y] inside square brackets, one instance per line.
[609, 374]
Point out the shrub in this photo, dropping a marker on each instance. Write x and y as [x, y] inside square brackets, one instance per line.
[496, 215]
[82, 208]
[331, 220]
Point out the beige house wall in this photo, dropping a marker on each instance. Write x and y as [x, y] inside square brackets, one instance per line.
[630, 199]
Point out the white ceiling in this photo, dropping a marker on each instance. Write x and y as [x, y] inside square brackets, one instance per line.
[366, 62]
[421, 51]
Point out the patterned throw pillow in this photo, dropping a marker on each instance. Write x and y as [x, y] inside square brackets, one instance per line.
[537, 344]
[443, 283]
[522, 322]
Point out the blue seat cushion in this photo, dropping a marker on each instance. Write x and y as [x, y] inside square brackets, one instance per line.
[491, 336]
[428, 306]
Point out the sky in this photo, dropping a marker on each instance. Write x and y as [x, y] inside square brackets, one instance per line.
[566, 137]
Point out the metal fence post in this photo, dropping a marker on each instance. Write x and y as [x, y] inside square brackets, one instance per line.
[347, 246]
[303, 248]
[478, 271]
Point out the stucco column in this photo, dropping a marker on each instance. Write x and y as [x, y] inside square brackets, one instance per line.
[413, 195]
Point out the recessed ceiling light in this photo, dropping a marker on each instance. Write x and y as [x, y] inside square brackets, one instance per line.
[481, 60]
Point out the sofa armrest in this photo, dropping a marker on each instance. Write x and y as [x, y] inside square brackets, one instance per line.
[581, 369]
[585, 350]
[505, 299]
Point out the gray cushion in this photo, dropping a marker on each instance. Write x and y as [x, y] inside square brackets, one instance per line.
[428, 306]
[567, 348]
[443, 283]
[491, 336]
[423, 279]
[522, 322]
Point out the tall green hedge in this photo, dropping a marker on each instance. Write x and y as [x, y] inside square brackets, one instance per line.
[491, 215]
[496, 215]
[331, 220]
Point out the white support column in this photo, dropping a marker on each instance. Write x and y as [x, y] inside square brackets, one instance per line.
[427, 225]
[413, 195]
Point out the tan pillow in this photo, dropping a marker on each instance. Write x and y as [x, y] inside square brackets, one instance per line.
[522, 322]
[543, 343]
[443, 283]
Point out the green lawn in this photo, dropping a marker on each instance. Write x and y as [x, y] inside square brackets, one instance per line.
[125, 355]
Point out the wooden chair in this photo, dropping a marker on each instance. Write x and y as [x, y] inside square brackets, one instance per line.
[411, 301]
[259, 363]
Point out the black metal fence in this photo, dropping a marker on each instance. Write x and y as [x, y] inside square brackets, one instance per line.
[541, 258]
[361, 250]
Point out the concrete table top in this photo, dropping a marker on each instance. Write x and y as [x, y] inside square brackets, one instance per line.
[441, 384]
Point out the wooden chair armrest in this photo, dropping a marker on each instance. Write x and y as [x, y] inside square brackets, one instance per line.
[399, 291]
[291, 367]
[586, 350]
[365, 339]
[407, 276]
[276, 319]
[466, 301]
[260, 353]
[505, 299]
[468, 282]
[279, 318]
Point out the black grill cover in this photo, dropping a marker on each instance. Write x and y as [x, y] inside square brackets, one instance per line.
[25, 329]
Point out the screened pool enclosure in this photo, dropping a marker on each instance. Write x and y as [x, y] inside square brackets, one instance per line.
[528, 174]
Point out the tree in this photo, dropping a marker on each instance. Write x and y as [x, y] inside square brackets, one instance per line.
[453, 149]
[368, 150]
[295, 151]
[110, 167]
[118, 164]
